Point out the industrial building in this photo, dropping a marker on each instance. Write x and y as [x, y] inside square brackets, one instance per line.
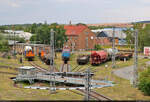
[80, 37]
[104, 36]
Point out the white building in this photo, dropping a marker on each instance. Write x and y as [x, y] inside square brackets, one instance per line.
[21, 34]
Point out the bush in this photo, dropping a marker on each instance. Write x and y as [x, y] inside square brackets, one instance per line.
[98, 47]
[144, 81]
[72, 57]
[4, 47]
[8, 57]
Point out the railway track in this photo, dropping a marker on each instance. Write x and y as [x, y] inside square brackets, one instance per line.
[76, 92]
[78, 68]
[8, 73]
[84, 68]
[96, 95]
[8, 67]
[41, 69]
[75, 68]
[38, 67]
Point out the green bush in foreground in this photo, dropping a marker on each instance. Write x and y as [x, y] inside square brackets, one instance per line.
[144, 81]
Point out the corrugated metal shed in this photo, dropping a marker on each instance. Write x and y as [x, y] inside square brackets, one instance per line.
[108, 33]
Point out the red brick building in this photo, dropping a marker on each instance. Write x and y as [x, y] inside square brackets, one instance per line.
[79, 37]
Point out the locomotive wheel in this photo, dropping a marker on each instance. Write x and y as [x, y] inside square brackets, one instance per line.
[30, 59]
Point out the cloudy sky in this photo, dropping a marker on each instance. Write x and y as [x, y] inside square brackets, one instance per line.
[62, 11]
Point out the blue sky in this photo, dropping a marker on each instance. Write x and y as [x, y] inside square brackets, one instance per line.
[62, 11]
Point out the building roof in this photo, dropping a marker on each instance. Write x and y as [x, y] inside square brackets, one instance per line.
[102, 34]
[74, 29]
[21, 34]
[109, 32]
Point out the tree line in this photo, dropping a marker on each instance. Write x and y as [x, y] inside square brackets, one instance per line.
[41, 34]
[143, 35]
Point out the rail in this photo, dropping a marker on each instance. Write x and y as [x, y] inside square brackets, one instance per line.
[38, 67]
[96, 95]
[8, 73]
[42, 69]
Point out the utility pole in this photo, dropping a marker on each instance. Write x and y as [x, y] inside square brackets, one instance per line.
[135, 69]
[22, 53]
[113, 48]
[87, 84]
[52, 74]
[34, 47]
[14, 40]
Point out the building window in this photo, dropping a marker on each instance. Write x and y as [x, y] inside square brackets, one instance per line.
[70, 38]
[75, 37]
[86, 42]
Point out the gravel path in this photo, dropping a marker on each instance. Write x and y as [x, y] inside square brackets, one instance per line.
[126, 72]
[148, 63]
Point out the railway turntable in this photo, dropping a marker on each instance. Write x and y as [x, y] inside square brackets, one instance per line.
[26, 73]
[30, 74]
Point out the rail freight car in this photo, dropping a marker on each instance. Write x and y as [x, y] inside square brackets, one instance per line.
[29, 54]
[98, 57]
[125, 56]
[110, 53]
[66, 54]
[83, 59]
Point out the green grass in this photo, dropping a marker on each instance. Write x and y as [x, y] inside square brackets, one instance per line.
[9, 92]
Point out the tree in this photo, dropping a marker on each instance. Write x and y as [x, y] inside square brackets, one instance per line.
[81, 24]
[42, 34]
[4, 47]
[144, 82]
[143, 35]
[60, 37]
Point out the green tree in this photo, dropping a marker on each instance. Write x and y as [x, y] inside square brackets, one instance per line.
[60, 37]
[143, 35]
[43, 34]
[144, 81]
[4, 47]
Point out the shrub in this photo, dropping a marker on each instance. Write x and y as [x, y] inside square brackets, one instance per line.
[98, 47]
[8, 57]
[72, 56]
[144, 81]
